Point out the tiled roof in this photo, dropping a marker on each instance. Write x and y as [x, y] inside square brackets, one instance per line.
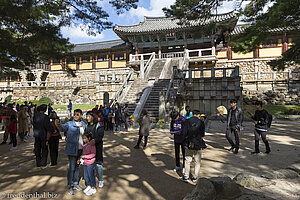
[154, 24]
[98, 46]
[240, 28]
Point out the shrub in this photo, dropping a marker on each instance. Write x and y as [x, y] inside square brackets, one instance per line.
[45, 100]
[292, 111]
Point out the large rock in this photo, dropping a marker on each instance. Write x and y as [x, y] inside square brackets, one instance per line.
[295, 167]
[226, 188]
[281, 174]
[204, 190]
[247, 180]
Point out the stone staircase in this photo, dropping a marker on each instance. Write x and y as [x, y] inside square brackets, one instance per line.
[137, 88]
[152, 103]
[134, 94]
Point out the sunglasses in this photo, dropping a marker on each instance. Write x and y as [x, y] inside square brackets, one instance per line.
[77, 114]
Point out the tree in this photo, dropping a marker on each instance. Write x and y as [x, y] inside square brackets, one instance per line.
[30, 29]
[261, 17]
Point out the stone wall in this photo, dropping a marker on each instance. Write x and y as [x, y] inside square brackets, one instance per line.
[88, 94]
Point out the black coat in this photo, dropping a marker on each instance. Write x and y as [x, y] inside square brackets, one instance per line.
[118, 116]
[97, 131]
[238, 116]
[193, 133]
[41, 125]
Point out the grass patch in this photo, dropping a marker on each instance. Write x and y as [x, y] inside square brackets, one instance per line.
[272, 109]
[83, 107]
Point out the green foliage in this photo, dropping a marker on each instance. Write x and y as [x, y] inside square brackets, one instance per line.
[44, 100]
[8, 98]
[261, 17]
[30, 31]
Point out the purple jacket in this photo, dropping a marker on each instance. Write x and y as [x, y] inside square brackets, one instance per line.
[176, 129]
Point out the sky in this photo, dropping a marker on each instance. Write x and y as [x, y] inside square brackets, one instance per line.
[150, 8]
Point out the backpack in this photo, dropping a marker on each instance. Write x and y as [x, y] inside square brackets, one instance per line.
[193, 141]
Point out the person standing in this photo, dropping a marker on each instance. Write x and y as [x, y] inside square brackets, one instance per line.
[41, 125]
[176, 128]
[23, 122]
[13, 129]
[118, 117]
[193, 139]
[145, 123]
[8, 113]
[96, 130]
[125, 117]
[106, 112]
[88, 158]
[50, 109]
[262, 123]
[188, 113]
[70, 108]
[234, 125]
[53, 138]
[74, 130]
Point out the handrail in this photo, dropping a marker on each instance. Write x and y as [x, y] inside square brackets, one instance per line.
[125, 83]
[148, 65]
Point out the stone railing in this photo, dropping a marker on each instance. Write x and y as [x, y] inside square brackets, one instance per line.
[122, 87]
[276, 75]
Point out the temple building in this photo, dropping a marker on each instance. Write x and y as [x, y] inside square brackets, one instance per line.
[155, 44]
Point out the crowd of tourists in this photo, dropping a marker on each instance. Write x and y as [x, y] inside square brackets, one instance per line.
[84, 138]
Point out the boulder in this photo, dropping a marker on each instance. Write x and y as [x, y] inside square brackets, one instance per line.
[295, 167]
[226, 188]
[247, 180]
[281, 174]
[204, 190]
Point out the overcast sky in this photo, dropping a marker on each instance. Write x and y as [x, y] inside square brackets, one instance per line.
[151, 8]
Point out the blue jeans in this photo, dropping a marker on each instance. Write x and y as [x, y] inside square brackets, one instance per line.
[89, 175]
[118, 128]
[100, 171]
[73, 171]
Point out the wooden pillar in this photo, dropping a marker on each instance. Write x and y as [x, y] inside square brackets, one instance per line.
[109, 61]
[94, 61]
[285, 43]
[229, 52]
[256, 53]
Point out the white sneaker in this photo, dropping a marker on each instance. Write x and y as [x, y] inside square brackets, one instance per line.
[101, 184]
[91, 192]
[14, 148]
[183, 170]
[176, 169]
[87, 189]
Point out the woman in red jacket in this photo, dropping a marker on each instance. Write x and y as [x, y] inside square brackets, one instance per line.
[53, 138]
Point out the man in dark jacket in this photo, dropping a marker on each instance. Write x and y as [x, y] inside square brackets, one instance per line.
[261, 121]
[193, 134]
[234, 125]
[41, 125]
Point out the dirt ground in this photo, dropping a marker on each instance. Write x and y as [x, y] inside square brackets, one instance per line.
[147, 174]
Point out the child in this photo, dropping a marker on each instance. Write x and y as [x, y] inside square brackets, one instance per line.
[13, 129]
[111, 120]
[88, 160]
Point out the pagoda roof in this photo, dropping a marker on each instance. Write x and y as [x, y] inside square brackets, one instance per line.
[159, 24]
[98, 46]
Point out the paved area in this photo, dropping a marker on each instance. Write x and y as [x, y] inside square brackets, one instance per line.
[146, 174]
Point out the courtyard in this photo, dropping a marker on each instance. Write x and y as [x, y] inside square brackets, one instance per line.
[147, 174]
